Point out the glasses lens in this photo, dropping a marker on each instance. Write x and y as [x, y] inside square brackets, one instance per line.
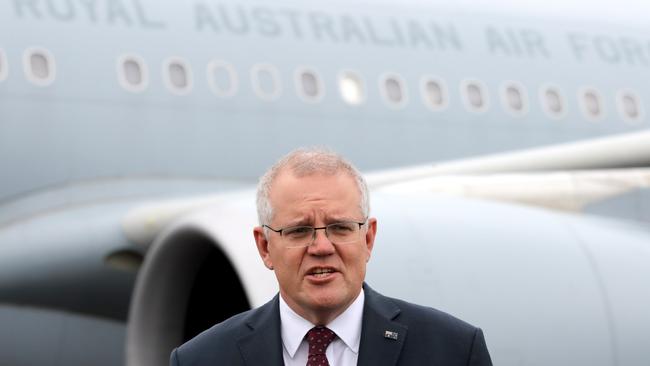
[298, 236]
[338, 233]
[343, 232]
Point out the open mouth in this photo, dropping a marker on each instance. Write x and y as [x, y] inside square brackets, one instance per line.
[321, 272]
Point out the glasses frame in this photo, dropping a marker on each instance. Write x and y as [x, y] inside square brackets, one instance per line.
[313, 236]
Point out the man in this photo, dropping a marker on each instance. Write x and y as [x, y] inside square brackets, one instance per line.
[315, 234]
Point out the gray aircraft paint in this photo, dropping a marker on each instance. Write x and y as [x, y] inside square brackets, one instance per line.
[61, 338]
[126, 134]
[354, 28]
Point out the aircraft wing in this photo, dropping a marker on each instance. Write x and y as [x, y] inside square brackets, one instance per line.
[569, 177]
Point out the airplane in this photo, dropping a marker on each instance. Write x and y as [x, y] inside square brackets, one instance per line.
[507, 158]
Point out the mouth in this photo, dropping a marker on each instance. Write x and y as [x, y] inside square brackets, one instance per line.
[321, 272]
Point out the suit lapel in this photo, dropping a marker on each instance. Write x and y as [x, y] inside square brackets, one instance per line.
[261, 343]
[382, 338]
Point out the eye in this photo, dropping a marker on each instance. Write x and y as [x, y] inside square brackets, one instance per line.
[341, 228]
[297, 232]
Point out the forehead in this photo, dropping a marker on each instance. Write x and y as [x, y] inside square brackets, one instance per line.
[335, 194]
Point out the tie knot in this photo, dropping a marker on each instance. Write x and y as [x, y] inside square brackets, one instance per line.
[319, 338]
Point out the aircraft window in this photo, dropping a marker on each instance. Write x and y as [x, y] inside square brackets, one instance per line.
[132, 73]
[434, 93]
[393, 90]
[351, 88]
[266, 81]
[553, 102]
[4, 66]
[514, 98]
[591, 103]
[177, 75]
[39, 65]
[474, 95]
[309, 85]
[222, 78]
[629, 106]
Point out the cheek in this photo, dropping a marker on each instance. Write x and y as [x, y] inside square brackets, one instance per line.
[356, 262]
[361, 269]
[289, 261]
[366, 251]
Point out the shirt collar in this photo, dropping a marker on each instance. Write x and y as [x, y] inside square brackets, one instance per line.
[347, 325]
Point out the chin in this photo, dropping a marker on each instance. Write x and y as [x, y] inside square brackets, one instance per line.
[324, 301]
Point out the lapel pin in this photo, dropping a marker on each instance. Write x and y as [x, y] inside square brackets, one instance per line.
[390, 335]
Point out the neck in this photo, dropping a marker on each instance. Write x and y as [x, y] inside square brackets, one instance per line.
[319, 316]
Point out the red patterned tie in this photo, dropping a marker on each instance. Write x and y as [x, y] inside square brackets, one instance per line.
[319, 338]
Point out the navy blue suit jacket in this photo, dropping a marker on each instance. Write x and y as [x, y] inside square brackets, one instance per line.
[425, 336]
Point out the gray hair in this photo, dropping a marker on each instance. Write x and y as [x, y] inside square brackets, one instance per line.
[304, 162]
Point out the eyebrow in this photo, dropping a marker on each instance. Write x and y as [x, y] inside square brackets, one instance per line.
[341, 219]
[306, 221]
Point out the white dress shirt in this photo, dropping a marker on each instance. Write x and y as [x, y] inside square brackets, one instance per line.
[343, 351]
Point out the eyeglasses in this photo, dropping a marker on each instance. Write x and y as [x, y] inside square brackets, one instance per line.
[345, 232]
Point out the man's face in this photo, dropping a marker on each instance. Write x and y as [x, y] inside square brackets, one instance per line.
[316, 200]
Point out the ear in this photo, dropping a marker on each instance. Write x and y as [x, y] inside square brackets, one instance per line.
[370, 235]
[263, 246]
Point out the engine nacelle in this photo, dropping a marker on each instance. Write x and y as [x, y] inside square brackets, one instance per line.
[200, 271]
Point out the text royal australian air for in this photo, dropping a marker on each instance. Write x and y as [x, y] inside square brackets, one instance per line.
[420, 32]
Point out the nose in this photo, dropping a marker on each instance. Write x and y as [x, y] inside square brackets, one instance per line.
[321, 244]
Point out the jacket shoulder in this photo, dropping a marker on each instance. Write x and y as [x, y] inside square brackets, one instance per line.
[228, 329]
[430, 336]
[436, 337]
[418, 317]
